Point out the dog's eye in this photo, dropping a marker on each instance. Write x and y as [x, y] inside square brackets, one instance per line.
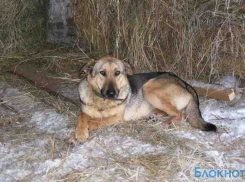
[103, 73]
[117, 73]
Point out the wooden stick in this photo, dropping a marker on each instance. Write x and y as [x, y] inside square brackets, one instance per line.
[226, 94]
[43, 80]
[52, 140]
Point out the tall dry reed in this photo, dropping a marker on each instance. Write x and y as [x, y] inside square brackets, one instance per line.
[195, 39]
[22, 25]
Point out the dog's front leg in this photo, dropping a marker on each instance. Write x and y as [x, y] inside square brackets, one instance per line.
[86, 123]
[103, 122]
[81, 131]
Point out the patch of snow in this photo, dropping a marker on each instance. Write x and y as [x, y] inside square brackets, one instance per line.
[204, 85]
[17, 161]
[218, 157]
[186, 135]
[51, 122]
[126, 146]
[85, 155]
[228, 81]
[19, 101]
[17, 174]
[47, 166]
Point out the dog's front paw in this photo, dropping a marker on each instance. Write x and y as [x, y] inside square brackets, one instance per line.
[79, 136]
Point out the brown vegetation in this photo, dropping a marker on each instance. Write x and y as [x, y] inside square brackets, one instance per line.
[196, 39]
[22, 25]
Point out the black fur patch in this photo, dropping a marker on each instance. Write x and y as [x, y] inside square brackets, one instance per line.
[136, 81]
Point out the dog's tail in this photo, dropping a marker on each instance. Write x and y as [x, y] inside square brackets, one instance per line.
[194, 115]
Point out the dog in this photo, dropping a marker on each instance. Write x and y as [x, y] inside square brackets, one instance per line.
[111, 94]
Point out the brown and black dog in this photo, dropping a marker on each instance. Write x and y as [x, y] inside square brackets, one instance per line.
[111, 93]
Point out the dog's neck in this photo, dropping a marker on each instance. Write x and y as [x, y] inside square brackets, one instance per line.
[91, 105]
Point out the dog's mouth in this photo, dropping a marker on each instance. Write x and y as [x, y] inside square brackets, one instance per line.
[110, 92]
[108, 97]
[111, 95]
[116, 99]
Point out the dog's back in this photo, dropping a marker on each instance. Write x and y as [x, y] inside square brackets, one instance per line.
[137, 106]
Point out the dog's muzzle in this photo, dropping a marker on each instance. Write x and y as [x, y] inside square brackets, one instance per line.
[110, 93]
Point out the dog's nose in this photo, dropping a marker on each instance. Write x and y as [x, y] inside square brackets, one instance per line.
[111, 93]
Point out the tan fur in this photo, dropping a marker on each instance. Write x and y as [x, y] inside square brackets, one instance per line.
[167, 97]
[163, 94]
[98, 112]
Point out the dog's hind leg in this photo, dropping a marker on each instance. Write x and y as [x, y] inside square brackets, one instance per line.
[169, 109]
[171, 97]
[168, 97]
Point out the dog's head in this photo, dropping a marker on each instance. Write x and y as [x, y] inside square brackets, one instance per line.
[108, 76]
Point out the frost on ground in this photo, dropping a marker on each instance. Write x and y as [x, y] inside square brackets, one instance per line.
[33, 144]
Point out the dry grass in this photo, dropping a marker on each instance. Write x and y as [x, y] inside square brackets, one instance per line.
[176, 162]
[180, 155]
[206, 38]
[59, 60]
[18, 20]
[37, 95]
[196, 39]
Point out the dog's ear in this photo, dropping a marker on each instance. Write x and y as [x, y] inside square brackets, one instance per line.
[128, 69]
[88, 67]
